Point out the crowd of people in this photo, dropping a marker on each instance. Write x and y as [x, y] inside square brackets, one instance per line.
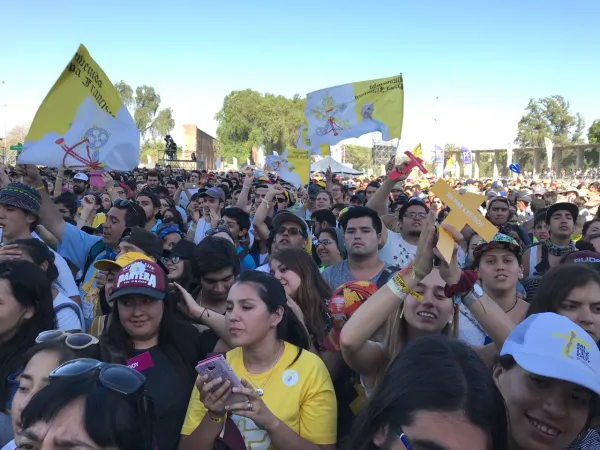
[330, 303]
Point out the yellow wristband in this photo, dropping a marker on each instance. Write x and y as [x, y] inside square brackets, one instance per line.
[40, 188]
[215, 419]
[398, 285]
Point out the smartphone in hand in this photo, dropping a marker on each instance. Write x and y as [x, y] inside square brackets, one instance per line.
[217, 366]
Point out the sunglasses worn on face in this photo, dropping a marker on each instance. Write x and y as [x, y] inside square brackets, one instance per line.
[76, 341]
[291, 231]
[280, 200]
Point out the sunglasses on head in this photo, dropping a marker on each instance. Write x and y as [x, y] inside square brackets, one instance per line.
[124, 204]
[114, 377]
[76, 341]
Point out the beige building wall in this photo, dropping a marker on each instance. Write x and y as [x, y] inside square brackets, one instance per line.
[202, 144]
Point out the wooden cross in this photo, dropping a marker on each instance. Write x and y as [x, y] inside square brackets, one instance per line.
[463, 211]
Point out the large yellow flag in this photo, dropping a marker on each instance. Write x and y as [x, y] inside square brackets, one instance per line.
[351, 110]
[303, 143]
[82, 123]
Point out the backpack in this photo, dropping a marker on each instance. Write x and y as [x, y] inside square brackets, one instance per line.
[96, 249]
[68, 303]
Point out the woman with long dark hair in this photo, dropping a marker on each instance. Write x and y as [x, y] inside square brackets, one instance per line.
[25, 311]
[291, 403]
[143, 329]
[436, 393]
[303, 283]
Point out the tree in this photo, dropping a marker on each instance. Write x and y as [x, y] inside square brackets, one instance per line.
[152, 122]
[549, 117]
[359, 156]
[250, 119]
[17, 134]
[594, 132]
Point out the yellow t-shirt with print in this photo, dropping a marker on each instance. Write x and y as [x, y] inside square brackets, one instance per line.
[300, 394]
[99, 219]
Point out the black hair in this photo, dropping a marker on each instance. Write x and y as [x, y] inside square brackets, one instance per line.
[556, 285]
[213, 254]
[151, 195]
[161, 191]
[239, 215]
[63, 352]
[39, 253]
[411, 202]
[134, 215]
[153, 173]
[271, 292]
[31, 289]
[110, 419]
[324, 215]
[357, 212]
[69, 200]
[433, 373]
[172, 182]
[586, 226]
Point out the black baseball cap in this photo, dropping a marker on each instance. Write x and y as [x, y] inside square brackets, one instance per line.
[562, 206]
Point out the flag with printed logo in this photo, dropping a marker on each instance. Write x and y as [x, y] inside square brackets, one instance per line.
[82, 123]
[353, 109]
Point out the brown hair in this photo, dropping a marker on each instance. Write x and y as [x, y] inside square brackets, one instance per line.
[313, 291]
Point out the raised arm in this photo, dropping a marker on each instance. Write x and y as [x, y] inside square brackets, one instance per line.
[245, 193]
[50, 216]
[58, 185]
[264, 209]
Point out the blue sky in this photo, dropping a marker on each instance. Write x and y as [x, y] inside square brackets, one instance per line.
[482, 60]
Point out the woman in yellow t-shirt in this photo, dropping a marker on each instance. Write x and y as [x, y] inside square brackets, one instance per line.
[291, 404]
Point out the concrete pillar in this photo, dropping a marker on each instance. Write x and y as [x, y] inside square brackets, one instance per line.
[557, 161]
[476, 166]
[537, 163]
[579, 163]
[496, 175]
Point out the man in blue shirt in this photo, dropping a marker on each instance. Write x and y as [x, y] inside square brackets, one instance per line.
[238, 222]
[83, 249]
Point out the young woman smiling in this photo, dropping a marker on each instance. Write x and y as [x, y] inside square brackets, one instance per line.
[291, 402]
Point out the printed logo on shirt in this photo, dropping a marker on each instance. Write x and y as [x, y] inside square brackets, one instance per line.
[290, 378]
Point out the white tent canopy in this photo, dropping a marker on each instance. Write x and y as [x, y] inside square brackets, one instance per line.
[336, 167]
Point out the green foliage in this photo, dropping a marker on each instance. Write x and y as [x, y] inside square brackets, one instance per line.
[549, 117]
[359, 156]
[594, 132]
[250, 119]
[152, 122]
[151, 148]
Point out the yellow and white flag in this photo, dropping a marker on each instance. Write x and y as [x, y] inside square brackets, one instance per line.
[303, 143]
[292, 166]
[351, 110]
[82, 123]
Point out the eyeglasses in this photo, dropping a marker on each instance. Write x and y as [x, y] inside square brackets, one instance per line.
[414, 215]
[114, 377]
[404, 439]
[76, 341]
[173, 259]
[281, 200]
[324, 242]
[292, 231]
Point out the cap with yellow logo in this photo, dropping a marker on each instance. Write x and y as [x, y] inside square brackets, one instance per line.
[553, 346]
[107, 265]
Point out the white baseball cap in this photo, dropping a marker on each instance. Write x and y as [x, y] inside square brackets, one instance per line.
[553, 346]
[81, 176]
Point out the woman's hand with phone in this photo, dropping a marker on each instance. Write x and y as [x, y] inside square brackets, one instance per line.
[214, 394]
[254, 408]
